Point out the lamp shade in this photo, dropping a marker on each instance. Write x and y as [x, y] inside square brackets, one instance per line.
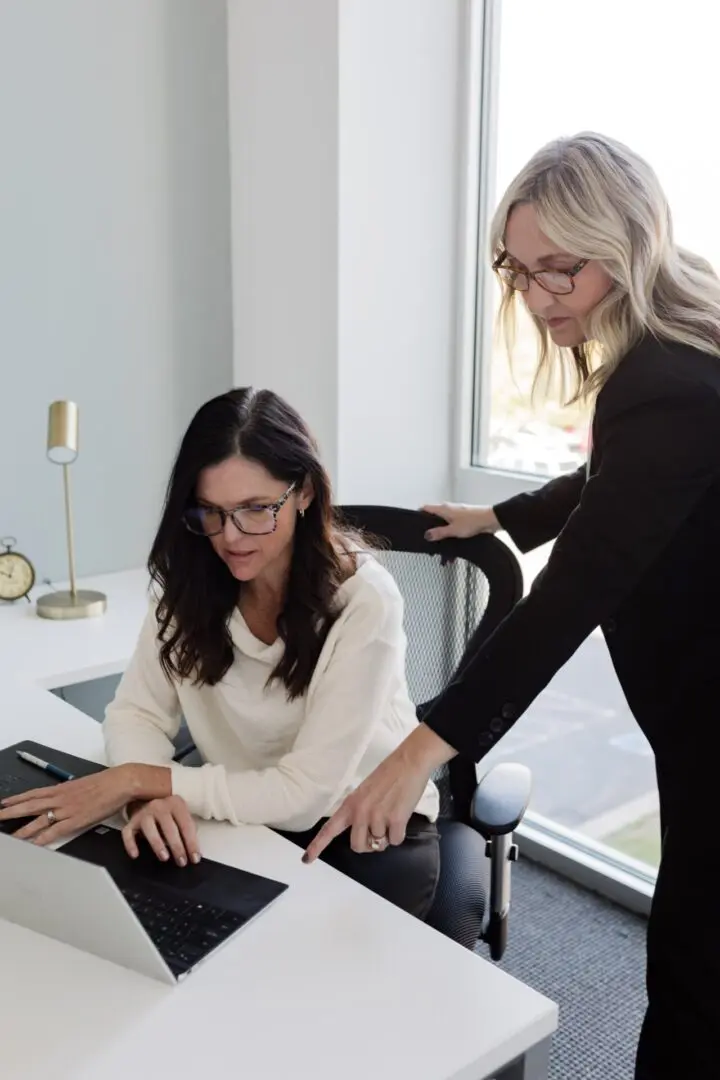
[62, 442]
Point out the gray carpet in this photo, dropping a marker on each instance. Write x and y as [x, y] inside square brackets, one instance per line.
[587, 955]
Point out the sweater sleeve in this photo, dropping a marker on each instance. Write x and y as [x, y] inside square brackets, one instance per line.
[346, 699]
[144, 717]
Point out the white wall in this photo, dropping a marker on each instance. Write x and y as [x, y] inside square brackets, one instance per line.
[399, 180]
[283, 76]
[114, 258]
[120, 280]
[343, 134]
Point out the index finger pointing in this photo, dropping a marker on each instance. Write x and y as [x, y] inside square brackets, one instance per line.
[337, 824]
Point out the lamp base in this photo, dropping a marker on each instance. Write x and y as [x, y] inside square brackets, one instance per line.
[85, 604]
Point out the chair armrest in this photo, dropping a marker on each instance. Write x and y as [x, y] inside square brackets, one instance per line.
[501, 799]
[186, 747]
[498, 806]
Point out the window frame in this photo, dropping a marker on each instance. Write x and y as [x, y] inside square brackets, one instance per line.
[472, 481]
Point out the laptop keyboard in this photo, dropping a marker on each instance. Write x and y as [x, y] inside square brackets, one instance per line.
[11, 785]
[183, 931]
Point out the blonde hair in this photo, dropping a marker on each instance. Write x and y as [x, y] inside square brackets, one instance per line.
[597, 199]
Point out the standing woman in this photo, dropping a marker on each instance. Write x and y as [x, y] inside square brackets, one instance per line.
[583, 237]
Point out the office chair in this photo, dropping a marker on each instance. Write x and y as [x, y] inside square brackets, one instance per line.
[456, 592]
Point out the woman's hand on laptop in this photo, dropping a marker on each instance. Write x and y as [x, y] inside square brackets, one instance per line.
[62, 809]
[168, 827]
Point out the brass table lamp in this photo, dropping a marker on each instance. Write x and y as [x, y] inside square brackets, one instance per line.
[62, 449]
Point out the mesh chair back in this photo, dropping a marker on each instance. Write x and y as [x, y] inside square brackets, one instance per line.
[455, 592]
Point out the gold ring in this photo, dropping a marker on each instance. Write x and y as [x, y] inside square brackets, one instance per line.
[51, 817]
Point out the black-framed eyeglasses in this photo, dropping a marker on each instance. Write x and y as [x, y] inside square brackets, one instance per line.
[252, 520]
[558, 282]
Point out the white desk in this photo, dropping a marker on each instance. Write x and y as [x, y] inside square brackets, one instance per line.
[331, 982]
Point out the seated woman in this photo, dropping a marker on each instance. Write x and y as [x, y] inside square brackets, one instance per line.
[279, 639]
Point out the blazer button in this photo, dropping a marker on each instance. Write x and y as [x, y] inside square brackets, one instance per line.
[497, 725]
[610, 626]
[486, 738]
[509, 711]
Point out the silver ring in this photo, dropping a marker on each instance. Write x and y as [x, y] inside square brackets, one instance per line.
[377, 843]
[51, 817]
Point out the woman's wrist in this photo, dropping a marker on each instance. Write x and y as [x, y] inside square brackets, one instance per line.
[145, 782]
[425, 751]
[494, 520]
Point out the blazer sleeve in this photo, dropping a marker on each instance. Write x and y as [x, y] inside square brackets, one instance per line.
[536, 517]
[657, 456]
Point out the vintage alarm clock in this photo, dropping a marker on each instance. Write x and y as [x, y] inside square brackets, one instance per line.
[17, 574]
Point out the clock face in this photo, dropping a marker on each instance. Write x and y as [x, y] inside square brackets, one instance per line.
[17, 576]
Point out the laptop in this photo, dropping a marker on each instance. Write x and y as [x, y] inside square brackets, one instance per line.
[155, 918]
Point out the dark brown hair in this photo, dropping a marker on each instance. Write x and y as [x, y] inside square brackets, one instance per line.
[197, 591]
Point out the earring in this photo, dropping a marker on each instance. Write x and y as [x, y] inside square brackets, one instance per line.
[302, 511]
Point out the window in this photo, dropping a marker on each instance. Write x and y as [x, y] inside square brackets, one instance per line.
[645, 74]
[642, 73]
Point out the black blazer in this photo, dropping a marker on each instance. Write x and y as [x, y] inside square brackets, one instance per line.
[637, 553]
